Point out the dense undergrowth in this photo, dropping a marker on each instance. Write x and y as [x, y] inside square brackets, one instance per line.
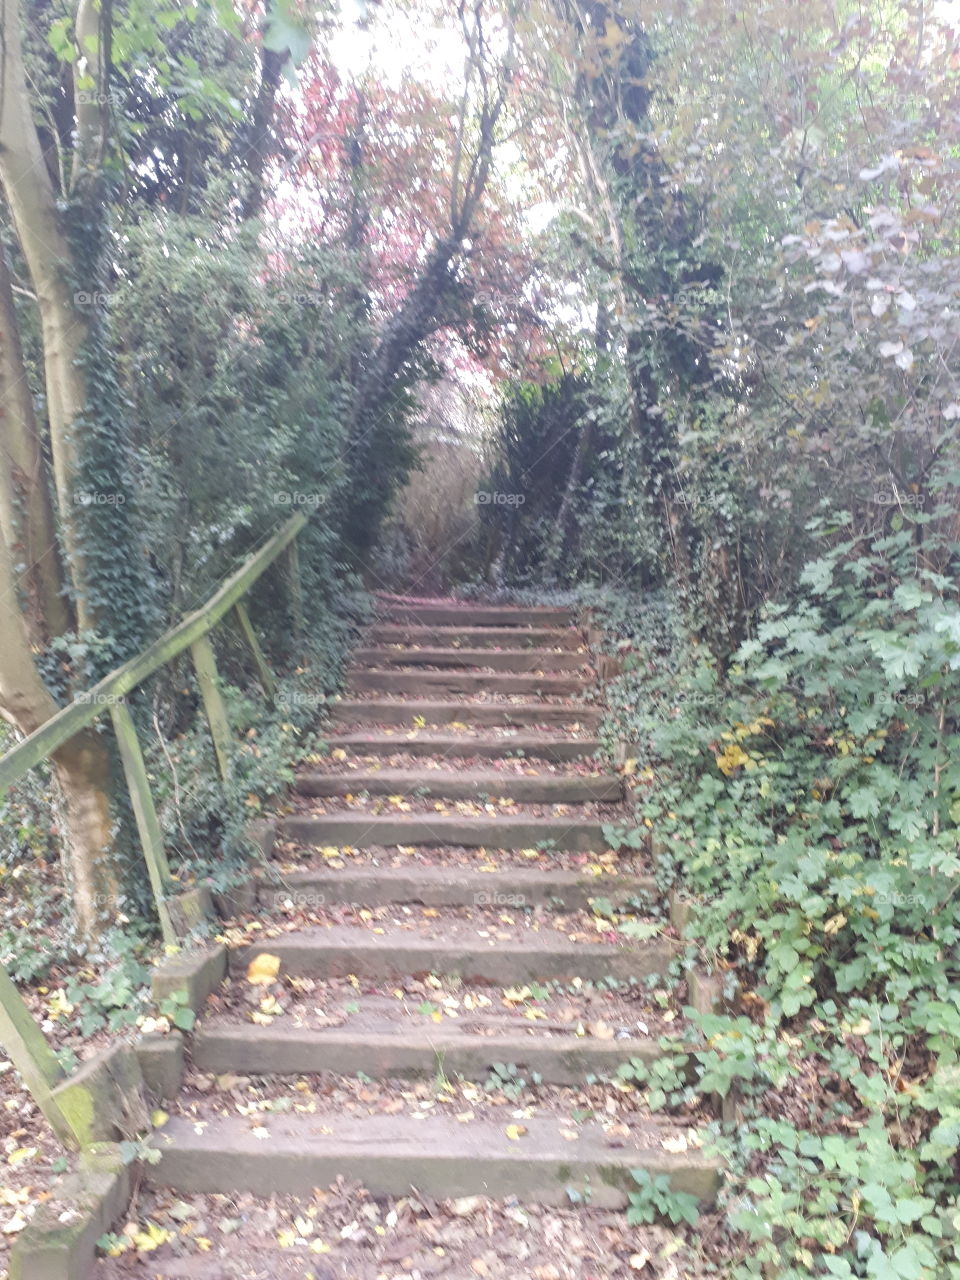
[806, 801]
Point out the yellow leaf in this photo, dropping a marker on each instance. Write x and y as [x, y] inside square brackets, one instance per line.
[286, 1239]
[159, 1118]
[263, 970]
[21, 1154]
[515, 1131]
[629, 768]
[203, 1244]
[319, 1246]
[338, 753]
[150, 1238]
[516, 995]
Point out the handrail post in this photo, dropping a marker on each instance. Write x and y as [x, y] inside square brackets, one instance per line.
[295, 585]
[30, 1053]
[145, 813]
[205, 666]
[253, 644]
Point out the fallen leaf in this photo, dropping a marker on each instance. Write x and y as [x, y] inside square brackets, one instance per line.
[515, 1131]
[465, 1205]
[263, 969]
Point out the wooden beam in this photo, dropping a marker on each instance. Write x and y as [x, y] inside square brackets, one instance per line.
[205, 665]
[264, 673]
[296, 589]
[28, 1050]
[144, 810]
[92, 703]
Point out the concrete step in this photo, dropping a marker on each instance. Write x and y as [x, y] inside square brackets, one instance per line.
[408, 1051]
[551, 788]
[583, 835]
[472, 615]
[543, 956]
[441, 887]
[437, 1155]
[451, 746]
[390, 633]
[432, 684]
[436, 712]
[497, 659]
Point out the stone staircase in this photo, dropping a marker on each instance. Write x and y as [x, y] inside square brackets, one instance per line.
[446, 1014]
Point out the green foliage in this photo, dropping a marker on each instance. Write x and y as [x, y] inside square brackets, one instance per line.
[654, 1198]
[806, 800]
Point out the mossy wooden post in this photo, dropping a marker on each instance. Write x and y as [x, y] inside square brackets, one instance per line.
[144, 810]
[296, 588]
[264, 673]
[205, 665]
[29, 1052]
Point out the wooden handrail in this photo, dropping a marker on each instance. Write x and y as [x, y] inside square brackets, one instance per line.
[94, 702]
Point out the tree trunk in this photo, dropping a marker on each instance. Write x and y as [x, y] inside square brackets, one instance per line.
[26, 508]
[32, 201]
[82, 766]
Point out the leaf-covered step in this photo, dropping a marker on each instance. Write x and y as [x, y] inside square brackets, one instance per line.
[583, 834]
[510, 745]
[515, 660]
[433, 684]
[442, 886]
[532, 1159]
[457, 947]
[572, 788]
[446, 638]
[421, 712]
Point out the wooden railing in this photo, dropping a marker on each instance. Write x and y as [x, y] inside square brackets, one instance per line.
[19, 1035]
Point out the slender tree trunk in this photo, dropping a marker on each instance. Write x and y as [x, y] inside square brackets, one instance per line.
[82, 766]
[32, 202]
[26, 508]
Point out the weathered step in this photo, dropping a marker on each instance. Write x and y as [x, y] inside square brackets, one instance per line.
[495, 659]
[340, 950]
[409, 1052]
[495, 831]
[390, 1154]
[455, 615]
[528, 746]
[574, 788]
[390, 633]
[439, 887]
[432, 684]
[521, 714]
